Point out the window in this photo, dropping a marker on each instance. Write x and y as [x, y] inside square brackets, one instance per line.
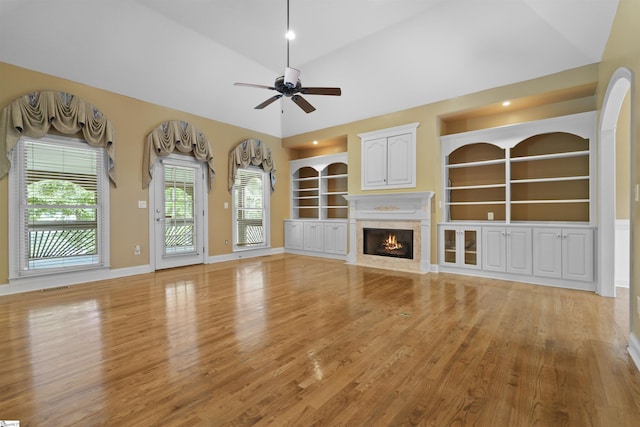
[250, 209]
[58, 203]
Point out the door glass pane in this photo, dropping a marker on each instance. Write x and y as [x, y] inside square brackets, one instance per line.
[450, 246]
[470, 251]
[179, 209]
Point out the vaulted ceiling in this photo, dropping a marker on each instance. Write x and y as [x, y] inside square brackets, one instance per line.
[386, 55]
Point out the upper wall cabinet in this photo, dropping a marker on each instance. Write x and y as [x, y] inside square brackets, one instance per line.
[389, 158]
[529, 172]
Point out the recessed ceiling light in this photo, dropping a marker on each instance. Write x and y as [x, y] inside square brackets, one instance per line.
[290, 35]
[506, 103]
[315, 142]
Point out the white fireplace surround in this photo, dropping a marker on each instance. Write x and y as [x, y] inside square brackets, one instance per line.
[402, 208]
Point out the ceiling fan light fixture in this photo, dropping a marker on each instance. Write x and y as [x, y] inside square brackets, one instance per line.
[291, 77]
[289, 85]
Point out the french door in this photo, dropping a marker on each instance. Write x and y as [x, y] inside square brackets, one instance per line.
[179, 210]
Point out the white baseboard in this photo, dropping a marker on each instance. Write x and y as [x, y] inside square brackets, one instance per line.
[249, 253]
[30, 284]
[622, 283]
[634, 349]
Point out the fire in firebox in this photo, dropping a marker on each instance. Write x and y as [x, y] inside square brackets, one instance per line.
[388, 242]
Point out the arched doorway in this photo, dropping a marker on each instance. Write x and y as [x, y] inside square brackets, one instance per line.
[619, 85]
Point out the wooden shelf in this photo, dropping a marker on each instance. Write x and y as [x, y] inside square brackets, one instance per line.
[474, 164]
[549, 156]
[556, 179]
[476, 187]
[533, 202]
[499, 202]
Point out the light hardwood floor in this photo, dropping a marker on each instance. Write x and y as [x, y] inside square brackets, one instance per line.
[292, 340]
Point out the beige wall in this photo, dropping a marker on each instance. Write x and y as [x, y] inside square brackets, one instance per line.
[622, 50]
[133, 120]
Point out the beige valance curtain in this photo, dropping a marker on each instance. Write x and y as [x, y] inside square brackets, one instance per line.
[251, 152]
[35, 113]
[176, 135]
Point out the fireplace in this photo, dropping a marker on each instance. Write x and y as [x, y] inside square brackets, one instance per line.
[388, 242]
[401, 225]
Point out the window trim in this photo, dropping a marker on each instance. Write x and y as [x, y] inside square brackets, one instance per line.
[266, 210]
[16, 245]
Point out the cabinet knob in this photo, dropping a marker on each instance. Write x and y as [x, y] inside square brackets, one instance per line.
[558, 236]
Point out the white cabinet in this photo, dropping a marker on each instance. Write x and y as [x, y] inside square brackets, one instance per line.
[313, 236]
[507, 249]
[335, 238]
[563, 253]
[316, 238]
[389, 158]
[293, 234]
[459, 246]
[547, 254]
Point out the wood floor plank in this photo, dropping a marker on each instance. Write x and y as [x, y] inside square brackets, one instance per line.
[300, 341]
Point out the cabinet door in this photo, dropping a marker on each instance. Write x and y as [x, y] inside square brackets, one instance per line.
[460, 246]
[400, 160]
[577, 254]
[547, 252]
[493, 248]
[374, 162]
[335, 238]
[469, 246]
[313, 237]
[448, 246]
[519, 250]
[293, 235]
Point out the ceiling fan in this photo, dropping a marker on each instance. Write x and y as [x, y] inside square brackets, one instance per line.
[290, 86]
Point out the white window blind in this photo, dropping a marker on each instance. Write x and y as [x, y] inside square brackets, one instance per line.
[249, 208]
[61, 198]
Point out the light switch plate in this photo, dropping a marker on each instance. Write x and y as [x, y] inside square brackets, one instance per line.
[142, 204]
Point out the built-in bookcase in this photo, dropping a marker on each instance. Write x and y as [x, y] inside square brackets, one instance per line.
[530, 172]
[476, 182]
[318, 185]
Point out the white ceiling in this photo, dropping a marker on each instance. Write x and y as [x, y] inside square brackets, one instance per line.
[386, 55]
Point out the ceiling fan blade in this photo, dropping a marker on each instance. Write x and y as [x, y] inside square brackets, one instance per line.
[303, 103]
[335, 91]
[252, 85]
[267, 102]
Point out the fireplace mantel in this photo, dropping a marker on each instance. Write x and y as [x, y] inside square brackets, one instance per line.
[414, 206]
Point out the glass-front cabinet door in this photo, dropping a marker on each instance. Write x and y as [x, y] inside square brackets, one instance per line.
[450, 243]
[470, 258]
[459, 246]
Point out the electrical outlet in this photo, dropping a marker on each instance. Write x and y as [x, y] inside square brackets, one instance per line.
[136, 250]
[226, 242]
[490, 216]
